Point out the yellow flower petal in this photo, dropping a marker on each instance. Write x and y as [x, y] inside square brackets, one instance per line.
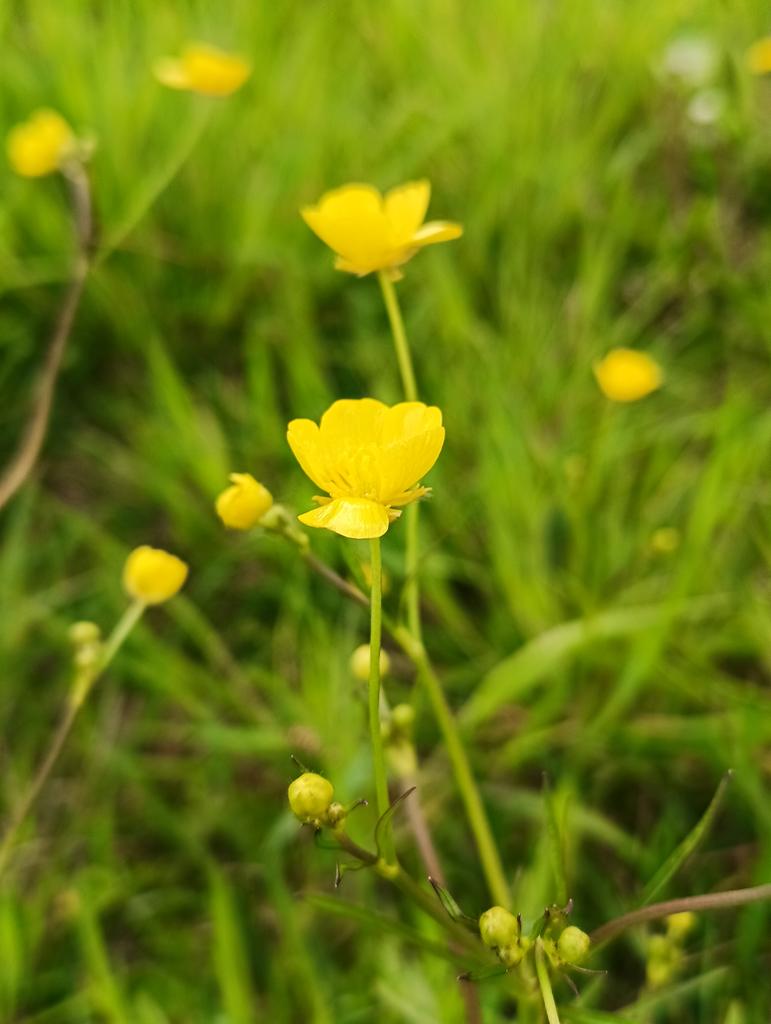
[243, 505]
[203, 69]
[38, 146]
[759, 56]
[304, 440]
[357, 419]
[407, 462]
[437, 231]
[405, 208]
[152, 575]
[626, 375]
[357, 518]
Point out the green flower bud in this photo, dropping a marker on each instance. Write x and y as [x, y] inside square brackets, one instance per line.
[360, 663]
[512, 956]
[678, 925]
[82, 633]
[310, 797]
[499, 928]
[573, 945]
[403, 718]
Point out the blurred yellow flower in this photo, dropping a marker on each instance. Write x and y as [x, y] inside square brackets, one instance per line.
[625, 375]
[369, 231]
[152, 576]
[242, 505]
[759, 56]
[369, 458]
[38, 145]
[203, 69]
[359, 663]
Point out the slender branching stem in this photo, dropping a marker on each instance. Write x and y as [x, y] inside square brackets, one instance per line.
[401, 345]
[33, 436]
[544, 981]
[82, 685]
[708, 901]
[375, 733]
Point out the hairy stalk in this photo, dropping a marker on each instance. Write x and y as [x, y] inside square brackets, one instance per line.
[399, 878]
[475, 812]
[31, 443]
[81, 687]
[544, 981]
[375, 733]
[709, 901]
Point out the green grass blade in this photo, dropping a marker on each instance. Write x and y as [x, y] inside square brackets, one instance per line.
[683, 851]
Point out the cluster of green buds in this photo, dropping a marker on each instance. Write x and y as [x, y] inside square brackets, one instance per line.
[565, 945]
[86, 640]
[665, 952]
[311, 800]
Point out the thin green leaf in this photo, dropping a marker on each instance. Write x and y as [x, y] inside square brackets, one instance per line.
[683, 851]
[554, 842]
[386, 817]
[452, 908]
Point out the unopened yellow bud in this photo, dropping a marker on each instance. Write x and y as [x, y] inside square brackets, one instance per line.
[152, 576]
[39, 145]
[665, 540]
[310, 797]
[626, 375]
[242, 505]
[678, 925]
[573, 945]
[498, 928]
[403, 718]
[360, 663]
[759, 56]
[82, 633]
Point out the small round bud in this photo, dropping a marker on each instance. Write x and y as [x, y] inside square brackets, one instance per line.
[360, 663]
[665, 540]
[244, 503]
[82, 633]
[678, 925]
[573, 945]
[659, 947]
[511, 956]
[335, 814]
[498, 928]
[152, 575]
[659, 972]
[403, 718]
[310, 797]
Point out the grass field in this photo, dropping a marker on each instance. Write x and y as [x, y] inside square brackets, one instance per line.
[608, 199]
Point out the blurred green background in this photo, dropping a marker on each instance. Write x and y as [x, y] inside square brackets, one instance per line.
[611, 164]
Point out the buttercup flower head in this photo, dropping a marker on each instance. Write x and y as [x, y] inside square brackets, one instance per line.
[625, 375]
[244, 503]
[152, 576]
[759, 56]
[369, 458]
[38, 146]
[203, 69]
[369, 231]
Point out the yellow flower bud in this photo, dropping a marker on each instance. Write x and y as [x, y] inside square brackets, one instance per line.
[498, 928]
[573, 945]
[83, 633]
[359, 663]
[665, 540]
[152, 576]
[36, 147]
[759, 56]
[310, 797]
[244, 503]
[403, 718]
[678, 925]
[625, 375]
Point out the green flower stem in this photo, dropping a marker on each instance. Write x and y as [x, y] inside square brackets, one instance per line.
[475, 812]
[412, 512]
[82, 685]
[399, 878]
[376, 736]
[400, 336]
[544, 981]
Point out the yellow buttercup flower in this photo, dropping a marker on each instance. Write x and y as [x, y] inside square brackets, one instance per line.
[369, 231]
[759, 56]
[38, 145]
[242, 505]
[203, 69]
[369, 458]
[625, 375]
[152, 576]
